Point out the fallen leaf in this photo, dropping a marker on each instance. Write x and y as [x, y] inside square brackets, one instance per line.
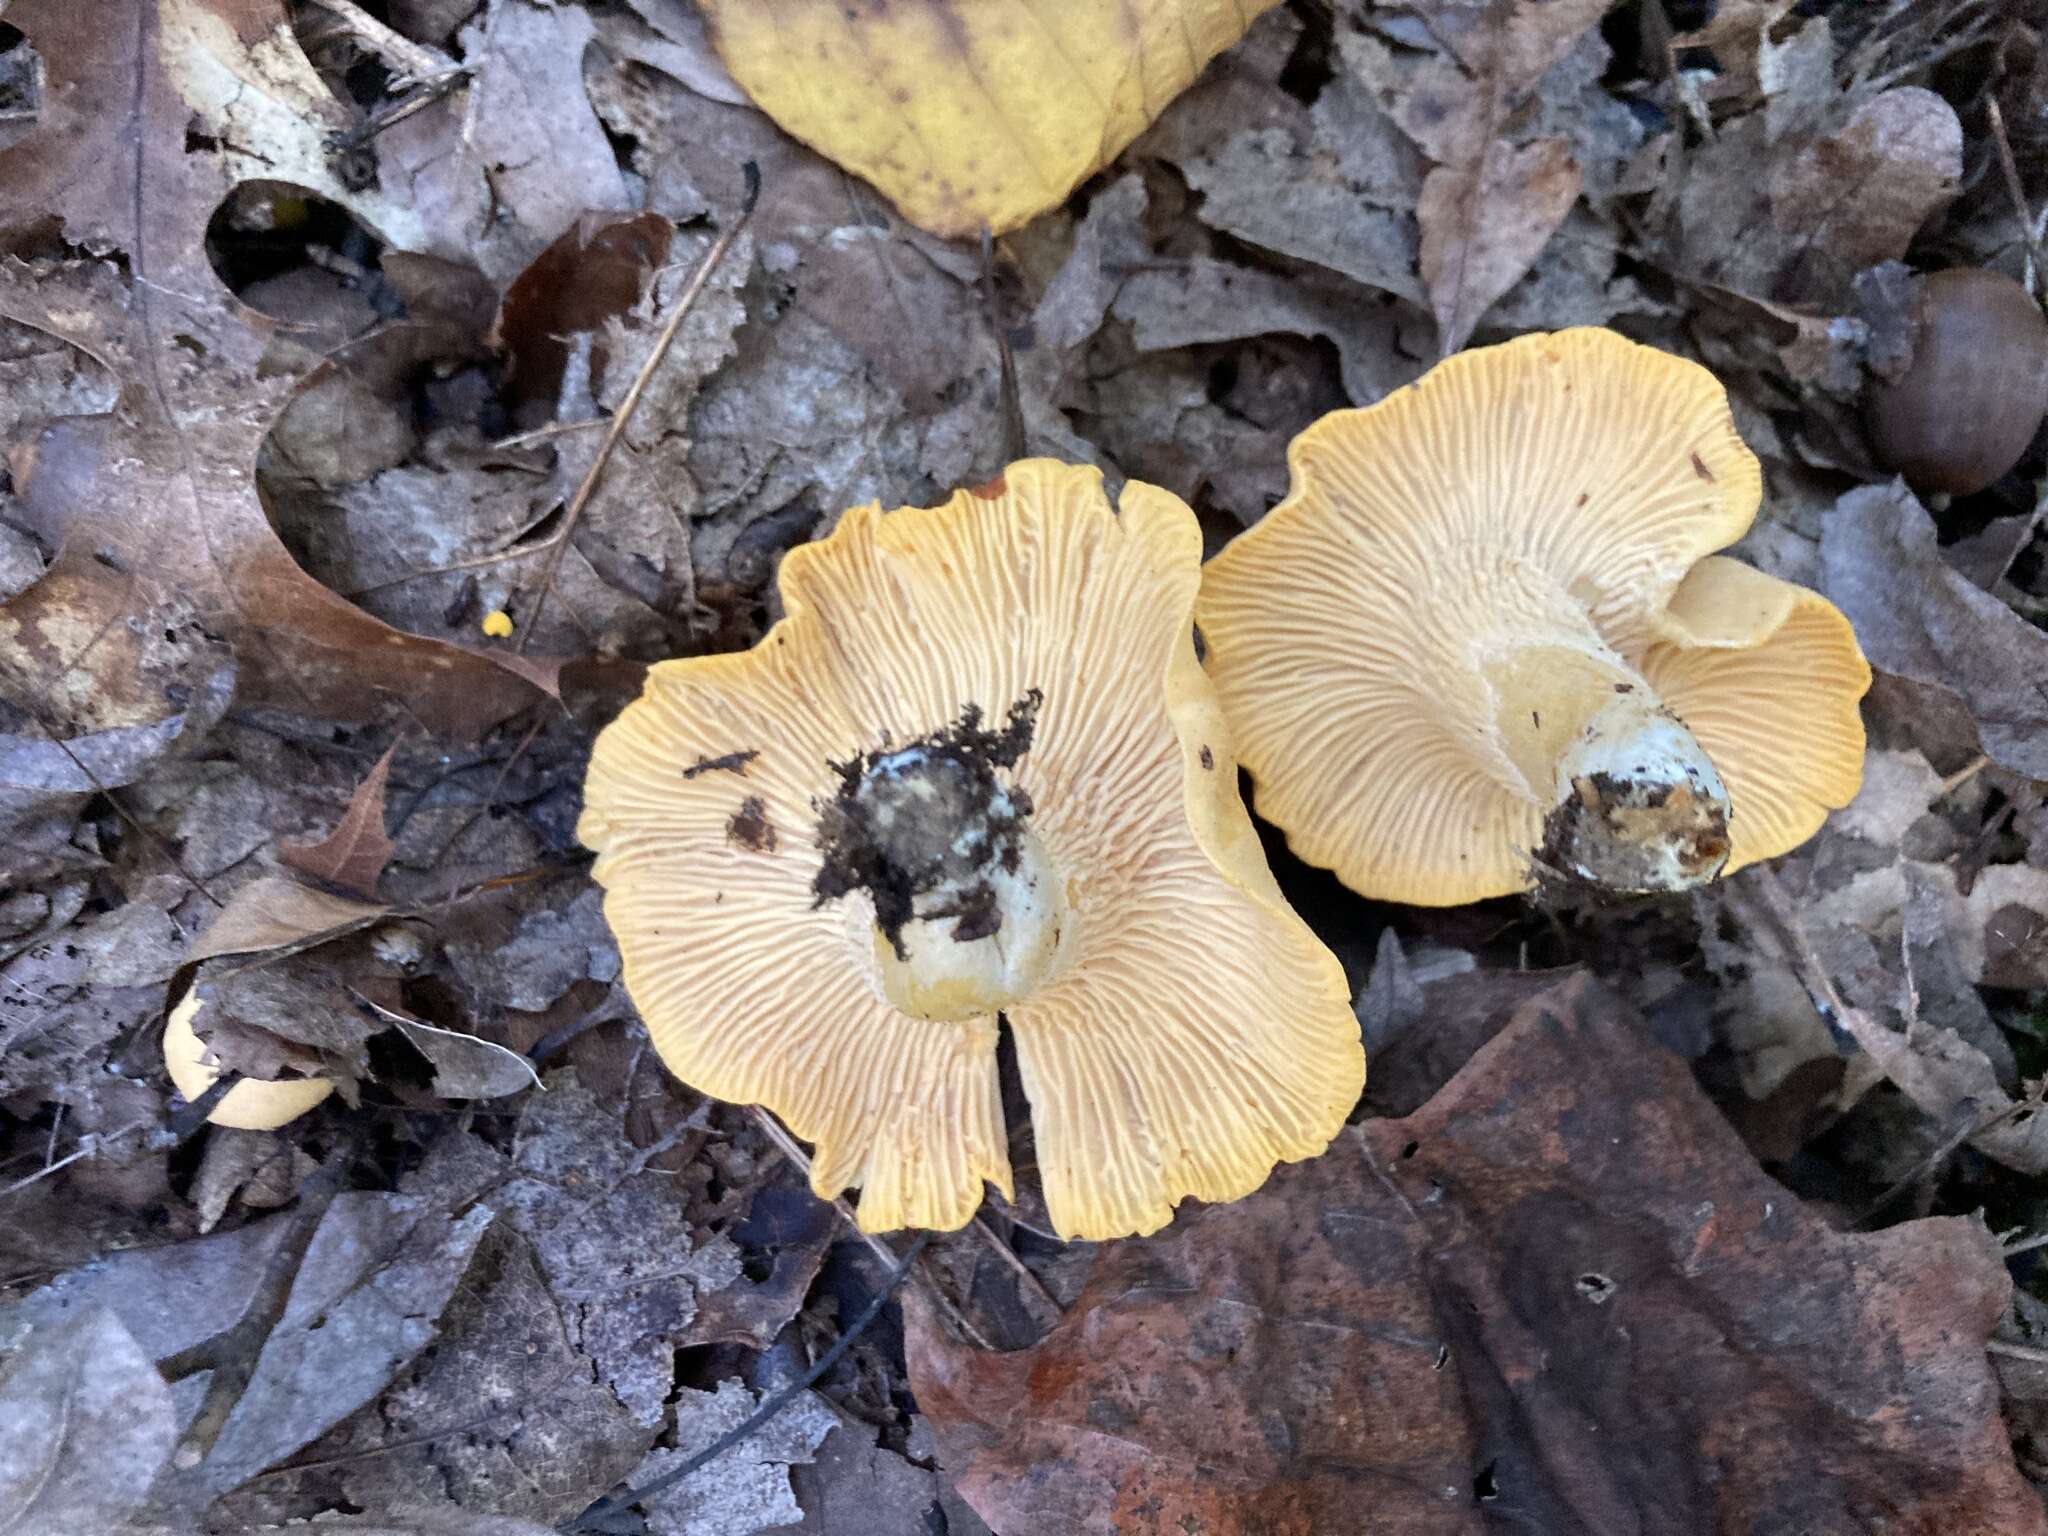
[1485, 223]
[971, 116]
[1453, 1319]
[1822, 209]
[1335, 186]
[401, 1520]
[365, 1300]
[1207, 300]
[595, 271]
[354, 854]
[528, 120]
[1488, 207]
[1917, 618]
[271, 912]
[525, 952]
[1858, 196]
[161, 489]
[613, 1242]
[852, 1484]
[542, 1436]
[94, 693]
[85, 1425]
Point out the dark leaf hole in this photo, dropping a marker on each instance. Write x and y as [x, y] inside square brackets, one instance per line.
[1410, 1150]
[1596, 1288]
[283, 248]
[21, 86]
[1483, 1486]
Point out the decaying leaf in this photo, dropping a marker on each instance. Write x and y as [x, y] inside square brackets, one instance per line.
[162, 488]
[85, 1425]
[966, 115]
[541, 1436]
[745, 1490]
[1456, 1318]
[1850, 193]
[1919, 619]
[1485, 222]
[1488, 207]
[92, 694]
[613, 1242]
[366, 1299]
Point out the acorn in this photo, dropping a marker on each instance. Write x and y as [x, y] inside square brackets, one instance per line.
[1973, 393]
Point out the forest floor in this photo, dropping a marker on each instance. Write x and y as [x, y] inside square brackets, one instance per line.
[1717, 1212]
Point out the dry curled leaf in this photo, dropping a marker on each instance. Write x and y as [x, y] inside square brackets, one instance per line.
[354, 854]
[1488, 207]
[967, 114]
[271, 912]
[1459, 1319]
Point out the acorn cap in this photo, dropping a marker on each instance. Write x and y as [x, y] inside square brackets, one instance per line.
[252, 1104]
[976, 770]
[1480, 640]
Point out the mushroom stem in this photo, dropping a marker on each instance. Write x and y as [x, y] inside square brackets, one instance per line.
[1635, 803]
[975, 945]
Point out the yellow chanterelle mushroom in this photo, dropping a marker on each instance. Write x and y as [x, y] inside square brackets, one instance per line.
[976, 774]
[1485, 637]
[252, 1104]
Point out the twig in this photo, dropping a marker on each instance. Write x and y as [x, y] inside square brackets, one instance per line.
[1012, 400]
[2024, 1245]
[411, 60]
[1960, 777]
[2013, 191]
[605, 1515]
[89, 1145]
[683, 305]
[2016, 1351]
[427, 93]
[541, 434]
[800, 1160]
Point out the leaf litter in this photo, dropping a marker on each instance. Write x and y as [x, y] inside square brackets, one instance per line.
[316, 318]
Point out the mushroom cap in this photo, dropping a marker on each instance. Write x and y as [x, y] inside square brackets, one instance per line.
[252, 1104]
[1192, 1032]
[1349, 630]
[974, 115]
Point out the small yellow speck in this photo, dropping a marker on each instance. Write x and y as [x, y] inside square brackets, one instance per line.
[498, 624]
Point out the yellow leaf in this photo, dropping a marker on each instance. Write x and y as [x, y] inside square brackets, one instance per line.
[498, 624]
[972, 112]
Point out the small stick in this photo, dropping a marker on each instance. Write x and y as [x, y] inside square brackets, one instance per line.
[799, 1159]
[411, 60]
[2013, 191]
[604, 1515]
[627, 406]
[1032, 1285]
